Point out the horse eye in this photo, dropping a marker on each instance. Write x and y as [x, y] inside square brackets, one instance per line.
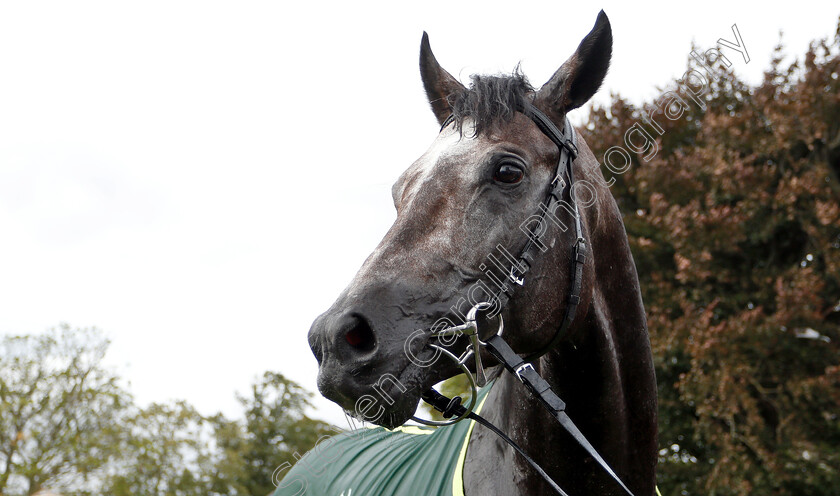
[508, 173]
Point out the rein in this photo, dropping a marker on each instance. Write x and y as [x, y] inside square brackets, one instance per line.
[496, 345]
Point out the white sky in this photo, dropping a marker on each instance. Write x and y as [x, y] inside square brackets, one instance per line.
[200, 179]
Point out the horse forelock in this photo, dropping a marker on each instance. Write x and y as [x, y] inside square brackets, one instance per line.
[490, 101]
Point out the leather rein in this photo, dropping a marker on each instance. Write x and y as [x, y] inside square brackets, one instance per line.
[566, 142]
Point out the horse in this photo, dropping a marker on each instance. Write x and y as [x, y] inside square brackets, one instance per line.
[462, 206]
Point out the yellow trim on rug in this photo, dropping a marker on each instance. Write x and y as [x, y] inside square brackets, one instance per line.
[412, 429]
[458, 480]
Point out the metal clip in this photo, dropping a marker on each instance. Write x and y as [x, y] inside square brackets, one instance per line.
[470, 329]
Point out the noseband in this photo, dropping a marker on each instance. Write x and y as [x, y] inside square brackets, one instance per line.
[566, 142]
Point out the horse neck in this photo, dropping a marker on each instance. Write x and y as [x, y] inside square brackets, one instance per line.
[604, 375]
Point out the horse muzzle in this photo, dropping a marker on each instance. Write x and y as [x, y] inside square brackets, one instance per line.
[375, 373]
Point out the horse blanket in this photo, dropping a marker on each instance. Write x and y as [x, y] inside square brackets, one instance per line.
[406, 461]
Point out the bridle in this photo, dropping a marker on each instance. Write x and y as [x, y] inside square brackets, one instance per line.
[522, 368]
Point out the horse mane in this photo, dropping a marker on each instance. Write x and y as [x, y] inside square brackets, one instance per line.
[490, 100]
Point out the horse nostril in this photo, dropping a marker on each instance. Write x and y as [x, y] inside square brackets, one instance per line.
[360, 335]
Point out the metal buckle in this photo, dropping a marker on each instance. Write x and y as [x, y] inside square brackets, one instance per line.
[522, 367]
[558, 181]
[519, 281]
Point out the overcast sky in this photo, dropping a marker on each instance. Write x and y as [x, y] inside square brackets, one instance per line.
[200, 179]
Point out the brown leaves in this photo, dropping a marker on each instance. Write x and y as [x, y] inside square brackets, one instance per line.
[735, 228]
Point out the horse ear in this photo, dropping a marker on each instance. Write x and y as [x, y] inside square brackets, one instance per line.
[439, 84]
[579, 77]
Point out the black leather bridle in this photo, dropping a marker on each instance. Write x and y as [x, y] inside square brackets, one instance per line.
[496, 345]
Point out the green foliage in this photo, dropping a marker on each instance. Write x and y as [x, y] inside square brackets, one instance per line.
[172, 450]
[735, 228]
[276, 429]
[67, 425]
[165, 449]
[59, 411]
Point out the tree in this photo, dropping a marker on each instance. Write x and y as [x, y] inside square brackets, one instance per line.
[66, 424]
[164, 449]
[276, 429]
[735, 228]
[172, 450]
[58, 411]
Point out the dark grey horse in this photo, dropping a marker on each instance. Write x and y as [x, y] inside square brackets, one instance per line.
[461, 201]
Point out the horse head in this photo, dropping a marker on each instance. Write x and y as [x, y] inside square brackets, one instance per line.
[464, 205]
